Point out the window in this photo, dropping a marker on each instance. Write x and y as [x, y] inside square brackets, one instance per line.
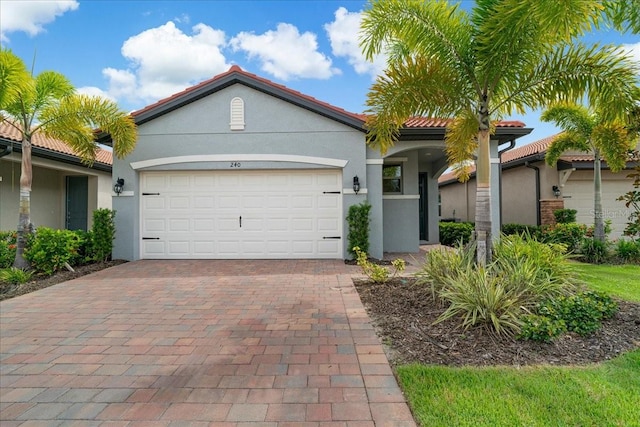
[392, 179]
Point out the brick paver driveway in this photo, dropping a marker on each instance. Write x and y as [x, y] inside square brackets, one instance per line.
[222, 343]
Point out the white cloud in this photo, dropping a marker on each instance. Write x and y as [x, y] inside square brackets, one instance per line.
[164, 60]
[94, 91]
[285, 53]
[343, 34]
[31, 16]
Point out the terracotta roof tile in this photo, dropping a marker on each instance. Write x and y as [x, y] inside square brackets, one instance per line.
[415, 122]
[41, 141]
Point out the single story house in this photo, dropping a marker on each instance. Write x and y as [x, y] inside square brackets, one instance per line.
[241, 167]
[64, 191]
[532, 190]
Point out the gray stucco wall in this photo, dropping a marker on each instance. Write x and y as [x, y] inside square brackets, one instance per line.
[401, 212]
[273, 127]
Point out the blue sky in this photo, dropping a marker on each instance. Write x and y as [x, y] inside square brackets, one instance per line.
[137, 52]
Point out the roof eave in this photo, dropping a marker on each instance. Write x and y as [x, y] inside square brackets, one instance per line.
[237, 78]
[56, 156]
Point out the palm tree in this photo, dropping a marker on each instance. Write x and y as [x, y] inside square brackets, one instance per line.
[477, 67]
[49, 104]
[587, 131]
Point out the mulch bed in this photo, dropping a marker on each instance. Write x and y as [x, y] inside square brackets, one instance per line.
[403, 314]
[8, 290]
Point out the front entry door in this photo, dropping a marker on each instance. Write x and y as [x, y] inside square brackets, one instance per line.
[424, 217]
[76, 203]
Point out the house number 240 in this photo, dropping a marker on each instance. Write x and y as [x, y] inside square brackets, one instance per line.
[234, 165]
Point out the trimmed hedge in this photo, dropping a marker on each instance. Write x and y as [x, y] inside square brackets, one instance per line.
[454, 233]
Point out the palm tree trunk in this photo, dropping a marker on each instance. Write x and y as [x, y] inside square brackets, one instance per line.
[598, 232]
[24, 218]
[483, 200]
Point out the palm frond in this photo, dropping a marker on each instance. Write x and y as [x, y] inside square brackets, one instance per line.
[614, 141]
[76, 117]
[624, 14]
[461, 143]
[14, 78]
[427, 29]
[602, 74]
[418, 87]
[563, 142]
[572, 118]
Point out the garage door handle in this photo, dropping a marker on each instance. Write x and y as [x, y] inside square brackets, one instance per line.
[150, 194]
[330, 192]
[150, 238]
[331, 237]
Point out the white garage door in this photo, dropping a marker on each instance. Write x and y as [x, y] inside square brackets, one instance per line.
[578, 195]
[241, 214]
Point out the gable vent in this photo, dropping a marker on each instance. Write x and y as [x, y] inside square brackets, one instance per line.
[237, 114]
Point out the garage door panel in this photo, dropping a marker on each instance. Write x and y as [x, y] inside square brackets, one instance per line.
[285, 214]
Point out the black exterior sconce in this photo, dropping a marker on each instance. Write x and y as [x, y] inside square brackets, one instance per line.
[356, 184]
[119, 185]
[556, 191]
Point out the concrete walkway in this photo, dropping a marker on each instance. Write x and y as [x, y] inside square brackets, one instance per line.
[197, 343]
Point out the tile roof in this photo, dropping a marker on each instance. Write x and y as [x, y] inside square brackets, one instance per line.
[537, 147]
[415, 122]
[39, 140]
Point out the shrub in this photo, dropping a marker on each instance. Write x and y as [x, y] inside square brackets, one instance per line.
[102, 234]
[628, 250]
[582, 312]
[480, 298]
[15, 276]
[51, 249]
[358, 220]
[524, 273]
[375, 272]
[594, 251]
[533, 269]
[441, 263]
[541, 328]
[454, 233]
[7, 248]
[570, 234]
[565, 216]
[521, 229]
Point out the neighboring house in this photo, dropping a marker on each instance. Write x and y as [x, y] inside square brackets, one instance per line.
[64, 192]
[528, 185]
[241, 167]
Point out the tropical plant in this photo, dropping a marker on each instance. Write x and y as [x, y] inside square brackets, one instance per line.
[378, 273]
[631, 199]
[593, 132]
[102, 234]
[476, 67]
[565, 216]
[48, 103]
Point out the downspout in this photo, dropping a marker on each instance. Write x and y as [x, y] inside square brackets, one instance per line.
[512, 144]
[537, 169]
[7, 150]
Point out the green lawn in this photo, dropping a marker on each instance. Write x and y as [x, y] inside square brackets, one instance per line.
[605, 394]
[622, 281]
[599, 395]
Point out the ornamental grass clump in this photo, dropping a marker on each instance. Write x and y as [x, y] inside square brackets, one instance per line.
[524, 273]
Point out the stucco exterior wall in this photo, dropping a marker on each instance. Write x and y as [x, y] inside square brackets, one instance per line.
[48, 192]
[401, 221]
[273, 127]
[457, 201]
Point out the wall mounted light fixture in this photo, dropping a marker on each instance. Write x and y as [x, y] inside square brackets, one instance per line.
[356, 184]
[118, 186]
[556, 191]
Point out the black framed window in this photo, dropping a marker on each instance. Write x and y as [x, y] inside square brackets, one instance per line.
[392, 179]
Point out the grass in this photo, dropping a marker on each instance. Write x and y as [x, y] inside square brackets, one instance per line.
[600, 395]
[622, 281]
[606, 394]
